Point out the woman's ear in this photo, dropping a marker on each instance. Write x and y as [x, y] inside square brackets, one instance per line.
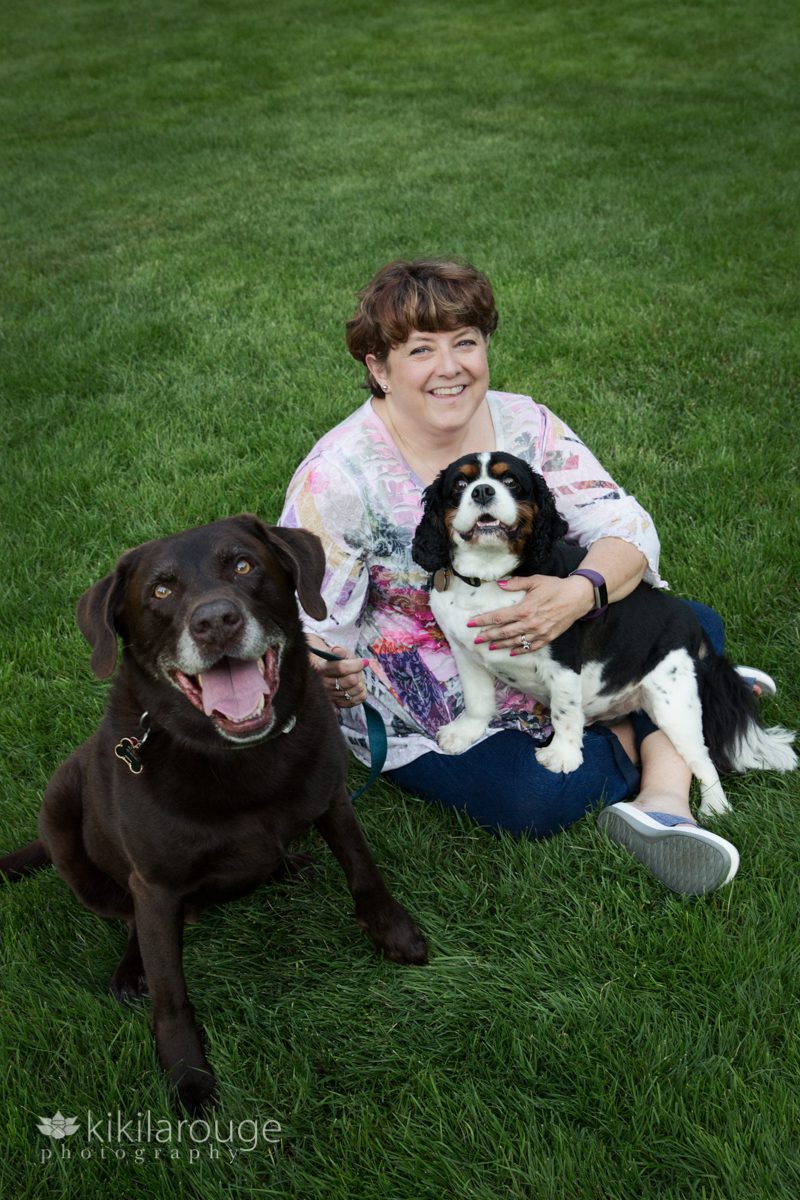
[378, 369]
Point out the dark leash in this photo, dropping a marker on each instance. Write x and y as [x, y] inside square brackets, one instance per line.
[128, 749]
[376, 732]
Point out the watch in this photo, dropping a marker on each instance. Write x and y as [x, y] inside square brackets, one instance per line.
[600, 592]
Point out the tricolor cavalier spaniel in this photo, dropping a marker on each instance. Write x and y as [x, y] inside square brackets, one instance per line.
[489, 516]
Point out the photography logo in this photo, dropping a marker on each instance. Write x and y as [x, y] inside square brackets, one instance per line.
[145, 1136]
[58, 1126]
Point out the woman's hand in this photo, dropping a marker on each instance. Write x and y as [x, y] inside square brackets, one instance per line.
[344, 680]
[548, 607]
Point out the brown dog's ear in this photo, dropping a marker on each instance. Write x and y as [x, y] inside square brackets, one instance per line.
[301, 553]
[95, 614]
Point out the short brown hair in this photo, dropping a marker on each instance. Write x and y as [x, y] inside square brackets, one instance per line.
[431, 295]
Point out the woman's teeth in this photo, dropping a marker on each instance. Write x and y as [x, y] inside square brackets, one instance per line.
[448, 391]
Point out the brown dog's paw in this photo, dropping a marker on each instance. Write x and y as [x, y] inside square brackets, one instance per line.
[128, 986]
[293, 865]
[395, 934]
[195, 1090]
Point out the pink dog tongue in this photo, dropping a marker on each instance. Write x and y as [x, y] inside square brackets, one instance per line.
[232, 688]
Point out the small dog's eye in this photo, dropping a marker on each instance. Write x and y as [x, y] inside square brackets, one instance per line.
[161, 591]
[511, 483]
[243, 566]
[459, 485]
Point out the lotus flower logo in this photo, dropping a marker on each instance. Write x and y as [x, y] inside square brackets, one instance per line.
[58, 1126]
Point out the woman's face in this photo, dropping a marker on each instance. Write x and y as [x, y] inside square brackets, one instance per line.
[436, 381]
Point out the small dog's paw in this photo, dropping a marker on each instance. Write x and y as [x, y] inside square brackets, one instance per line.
[459, 735]
[713, 801]
[560, 757]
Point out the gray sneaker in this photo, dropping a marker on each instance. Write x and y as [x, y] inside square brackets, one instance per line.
[682, 855]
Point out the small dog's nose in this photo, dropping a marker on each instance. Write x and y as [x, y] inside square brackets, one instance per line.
[482, 493]
[216, 621]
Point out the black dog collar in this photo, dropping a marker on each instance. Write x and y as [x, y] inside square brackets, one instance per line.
[128, 749]
[440, 579]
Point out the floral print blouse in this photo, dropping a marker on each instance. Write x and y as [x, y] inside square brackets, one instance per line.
[358, 494]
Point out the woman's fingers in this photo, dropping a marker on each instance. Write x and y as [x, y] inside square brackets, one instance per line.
[344, 679]
[547, 609]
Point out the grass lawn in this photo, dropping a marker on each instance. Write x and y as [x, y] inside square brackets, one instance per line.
[192, 193]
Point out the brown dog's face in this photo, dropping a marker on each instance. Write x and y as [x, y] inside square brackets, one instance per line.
[210, 613]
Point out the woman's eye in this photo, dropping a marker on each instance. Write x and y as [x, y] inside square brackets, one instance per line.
[468, 342]
[161, 591]
[243, 566]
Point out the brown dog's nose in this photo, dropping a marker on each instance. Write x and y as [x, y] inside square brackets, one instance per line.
[216, 622]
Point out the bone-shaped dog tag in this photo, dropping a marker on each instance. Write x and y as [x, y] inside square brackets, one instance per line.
[127, 751]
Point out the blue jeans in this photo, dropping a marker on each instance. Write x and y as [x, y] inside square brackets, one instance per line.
[500, 784]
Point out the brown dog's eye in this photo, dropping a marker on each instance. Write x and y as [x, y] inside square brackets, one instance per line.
[161, 591]
[243, 567]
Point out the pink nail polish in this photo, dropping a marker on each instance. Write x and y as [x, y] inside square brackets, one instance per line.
[471, 624]
[478, 641]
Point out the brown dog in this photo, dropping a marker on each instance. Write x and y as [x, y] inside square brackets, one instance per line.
[217, 749]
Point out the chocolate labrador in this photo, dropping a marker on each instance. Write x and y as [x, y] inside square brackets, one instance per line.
[218, 748]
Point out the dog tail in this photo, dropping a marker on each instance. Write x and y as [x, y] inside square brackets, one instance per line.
[30, 858]
[736, 739]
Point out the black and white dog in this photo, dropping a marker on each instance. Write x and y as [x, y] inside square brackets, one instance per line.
[488, 516]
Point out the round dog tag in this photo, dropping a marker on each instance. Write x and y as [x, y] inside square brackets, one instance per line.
[441, 579]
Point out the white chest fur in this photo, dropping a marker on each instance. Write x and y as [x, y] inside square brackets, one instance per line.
[461, 602]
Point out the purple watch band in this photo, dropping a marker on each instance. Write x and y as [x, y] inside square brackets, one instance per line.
[600, 592]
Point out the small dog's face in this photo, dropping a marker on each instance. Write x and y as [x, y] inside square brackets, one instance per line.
[210, 613]
[489, 497]
[492, 503]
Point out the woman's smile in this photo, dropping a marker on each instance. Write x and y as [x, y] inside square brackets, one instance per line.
[449, 391]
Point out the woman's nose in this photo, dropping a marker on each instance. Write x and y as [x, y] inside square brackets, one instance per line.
[447, 363]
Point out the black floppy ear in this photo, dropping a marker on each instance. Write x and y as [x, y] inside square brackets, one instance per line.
[548, 527]
[96, 614]
[300, 552]
[430, 548]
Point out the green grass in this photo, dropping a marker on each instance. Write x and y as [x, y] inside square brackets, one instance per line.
[191, 195]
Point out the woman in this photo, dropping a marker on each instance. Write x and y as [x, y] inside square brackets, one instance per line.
[422, 330]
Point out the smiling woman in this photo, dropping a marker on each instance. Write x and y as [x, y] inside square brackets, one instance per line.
[422, 331]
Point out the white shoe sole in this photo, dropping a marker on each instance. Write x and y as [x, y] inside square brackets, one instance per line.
[685, 858]
[752, 675]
